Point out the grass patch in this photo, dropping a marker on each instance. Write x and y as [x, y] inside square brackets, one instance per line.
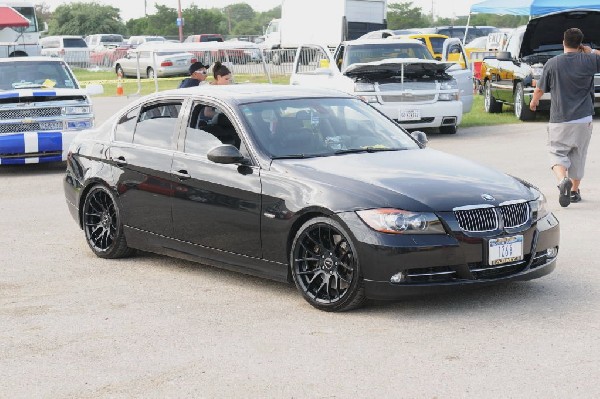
[130, 85]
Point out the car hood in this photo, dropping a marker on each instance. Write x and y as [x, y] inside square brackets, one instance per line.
[546, 33]
[415, 180]
[395, 66]
[40, 95]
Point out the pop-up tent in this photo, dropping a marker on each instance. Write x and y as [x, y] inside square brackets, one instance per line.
[10, 18]
[531, 8]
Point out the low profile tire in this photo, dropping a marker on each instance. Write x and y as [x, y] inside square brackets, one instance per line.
[522, 110]
[325, 266]
[450, 129]
[150, 73]
[489, 102]
[102, 225]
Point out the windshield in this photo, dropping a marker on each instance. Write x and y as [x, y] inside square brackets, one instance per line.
[376, 52]
[29, 13]
[322, 127]
[35, 74]
[111, 39]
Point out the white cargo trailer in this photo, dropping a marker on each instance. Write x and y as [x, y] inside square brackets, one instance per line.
[324, 21]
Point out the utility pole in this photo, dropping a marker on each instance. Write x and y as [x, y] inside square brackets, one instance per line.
[180, 21]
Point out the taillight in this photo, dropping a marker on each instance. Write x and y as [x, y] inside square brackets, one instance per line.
[166, 63]
[193, 60]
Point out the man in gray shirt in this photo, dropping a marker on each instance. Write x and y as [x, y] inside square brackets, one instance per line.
[570, 79]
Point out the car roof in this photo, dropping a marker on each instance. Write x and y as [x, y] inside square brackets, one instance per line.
[256, 92]
[382, 41]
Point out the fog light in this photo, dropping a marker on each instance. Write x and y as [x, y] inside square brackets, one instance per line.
[79, 125]
[552, 252]
[397, 278]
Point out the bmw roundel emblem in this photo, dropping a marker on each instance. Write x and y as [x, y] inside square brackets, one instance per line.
[487, 197]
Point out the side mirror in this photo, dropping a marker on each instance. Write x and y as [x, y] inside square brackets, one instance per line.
[421, 137]
[94, 89]
[225, 154]
[503, 56]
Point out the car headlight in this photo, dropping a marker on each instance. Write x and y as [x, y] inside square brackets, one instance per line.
[397, 221]
[539, 206]
[449, 85]
[77, 110]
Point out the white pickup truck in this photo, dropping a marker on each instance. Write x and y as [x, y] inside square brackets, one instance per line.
[399, 77]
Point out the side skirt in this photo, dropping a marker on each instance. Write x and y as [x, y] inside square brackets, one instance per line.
[150, 242]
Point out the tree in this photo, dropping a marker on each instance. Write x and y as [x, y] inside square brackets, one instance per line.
[42, 11]
[236, 13]
[404, 16]
[85, 18]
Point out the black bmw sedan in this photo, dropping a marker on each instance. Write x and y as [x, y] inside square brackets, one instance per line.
[302, 185]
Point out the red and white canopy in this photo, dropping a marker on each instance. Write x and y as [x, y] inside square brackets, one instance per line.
[10, 18]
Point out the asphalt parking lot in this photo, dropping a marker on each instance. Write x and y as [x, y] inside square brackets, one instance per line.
[76, 326]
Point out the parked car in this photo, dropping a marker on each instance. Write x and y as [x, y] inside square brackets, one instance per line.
[135, 41]
[106, 48]
[433, 41]
[205, 37]
[510, 77]
[42, 108]
[305, 185]
[72, 49]
[459, 31]
[399, 77]
[168, 63]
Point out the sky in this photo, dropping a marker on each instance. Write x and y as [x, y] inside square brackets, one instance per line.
[135, 8]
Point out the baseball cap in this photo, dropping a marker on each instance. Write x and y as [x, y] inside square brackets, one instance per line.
[197, 65]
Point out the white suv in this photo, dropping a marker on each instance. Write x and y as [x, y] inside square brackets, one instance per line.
[72, 49]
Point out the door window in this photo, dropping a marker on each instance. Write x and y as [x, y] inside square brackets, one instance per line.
[209, 127]
[156, 124]
[126, 126]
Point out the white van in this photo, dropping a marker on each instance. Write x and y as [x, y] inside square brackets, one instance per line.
[72, 49]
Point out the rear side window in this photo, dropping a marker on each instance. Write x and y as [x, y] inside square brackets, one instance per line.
[70, 43]
[156, 124]
[126, 126]
[211, 39]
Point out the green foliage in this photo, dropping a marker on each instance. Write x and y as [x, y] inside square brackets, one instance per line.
[405, 15]
[84, 19]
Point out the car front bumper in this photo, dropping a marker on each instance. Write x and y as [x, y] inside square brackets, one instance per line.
[433, 115]
[35, 147]
[435, 263]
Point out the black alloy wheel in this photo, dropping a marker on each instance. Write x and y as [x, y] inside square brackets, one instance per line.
[325, 266]
[102, 225]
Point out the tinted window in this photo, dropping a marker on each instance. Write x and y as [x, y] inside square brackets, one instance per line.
[322, 127]
[74, 43]
[437, 43]
[211, 39]
[377, 52]
[111, 39]
[209, 127]
[156, 124]
[126, 126]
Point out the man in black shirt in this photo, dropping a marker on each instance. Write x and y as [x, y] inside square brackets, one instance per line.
[197, 76]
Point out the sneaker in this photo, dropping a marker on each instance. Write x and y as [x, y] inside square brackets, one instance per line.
[575, 196]
[565, 192]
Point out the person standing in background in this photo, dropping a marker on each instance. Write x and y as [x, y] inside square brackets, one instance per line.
[198, 73]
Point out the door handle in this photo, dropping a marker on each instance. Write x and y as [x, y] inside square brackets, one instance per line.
[181, 174]
[119, 161]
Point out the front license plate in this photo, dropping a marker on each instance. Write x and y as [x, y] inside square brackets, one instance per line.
[505, 249]
[410, 115]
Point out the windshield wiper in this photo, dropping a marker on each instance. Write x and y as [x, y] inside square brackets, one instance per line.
[366, 149]
[293, 156]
